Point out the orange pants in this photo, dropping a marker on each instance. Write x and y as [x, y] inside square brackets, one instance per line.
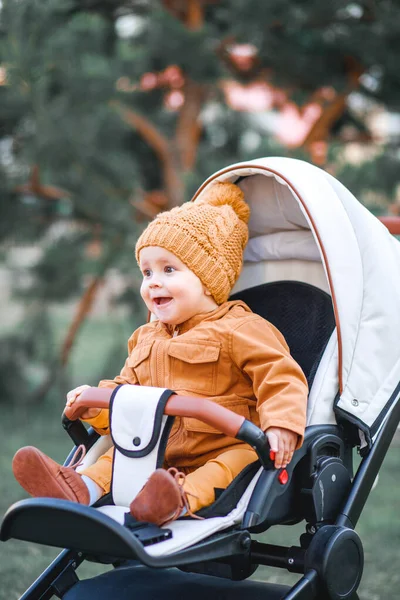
[216, 473]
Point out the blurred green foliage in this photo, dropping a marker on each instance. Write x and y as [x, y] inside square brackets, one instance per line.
[76, 168]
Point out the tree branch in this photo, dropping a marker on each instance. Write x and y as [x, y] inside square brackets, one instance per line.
[322, 127]
[156, 140]
[332, 111]
[36, 188]
[190, 12]
[161, 146]
[194, 15]
[87, 300]
[84, 307]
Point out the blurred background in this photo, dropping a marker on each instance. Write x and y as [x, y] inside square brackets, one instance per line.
[112, 111]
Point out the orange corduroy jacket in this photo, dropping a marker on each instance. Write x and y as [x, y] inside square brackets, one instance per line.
[231, 356]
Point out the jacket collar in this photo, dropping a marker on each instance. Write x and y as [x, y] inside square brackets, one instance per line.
[213, 315]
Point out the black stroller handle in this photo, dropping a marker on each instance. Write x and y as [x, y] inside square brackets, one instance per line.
[219, 417]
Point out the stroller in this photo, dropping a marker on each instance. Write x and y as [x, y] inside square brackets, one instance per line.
[326, 273]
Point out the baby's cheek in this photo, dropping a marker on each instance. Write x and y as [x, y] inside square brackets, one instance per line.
[144, 292]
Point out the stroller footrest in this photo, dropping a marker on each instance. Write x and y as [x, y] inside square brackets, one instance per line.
[147, 533]
[64, 524]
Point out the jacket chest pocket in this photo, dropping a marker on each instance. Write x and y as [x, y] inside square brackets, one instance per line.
[194, 365]
[139, 361]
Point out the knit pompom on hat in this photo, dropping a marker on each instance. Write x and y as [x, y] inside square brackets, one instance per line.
[208, 236]
[226, 193]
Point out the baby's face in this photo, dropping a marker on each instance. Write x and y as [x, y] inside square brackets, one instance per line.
[170, 290]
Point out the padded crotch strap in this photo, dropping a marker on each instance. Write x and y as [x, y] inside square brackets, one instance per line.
[139, 430]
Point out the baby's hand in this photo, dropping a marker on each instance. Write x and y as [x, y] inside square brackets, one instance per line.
[74, 395]
[283, 442]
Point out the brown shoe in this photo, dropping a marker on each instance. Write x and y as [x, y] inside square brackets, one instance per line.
[162, 498]
[42, 477]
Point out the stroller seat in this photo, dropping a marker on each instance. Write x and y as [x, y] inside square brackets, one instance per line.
[257, 498]
[343, 332]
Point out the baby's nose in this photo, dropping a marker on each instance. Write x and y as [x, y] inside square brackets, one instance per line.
[155, 282]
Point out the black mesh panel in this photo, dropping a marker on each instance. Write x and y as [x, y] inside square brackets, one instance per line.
[303, 314]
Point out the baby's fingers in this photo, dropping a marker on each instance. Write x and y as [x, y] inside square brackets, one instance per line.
[289, 448]
[279, 458]
[75, 393]
[277, 447]
[273, 441]
[287, 457]
[70, 400]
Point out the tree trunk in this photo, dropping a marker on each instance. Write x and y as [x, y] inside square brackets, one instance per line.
[188, 129]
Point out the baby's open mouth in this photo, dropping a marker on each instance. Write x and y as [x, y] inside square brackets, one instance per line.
[162, 300]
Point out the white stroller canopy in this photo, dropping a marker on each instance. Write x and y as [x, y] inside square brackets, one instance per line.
[301, 212]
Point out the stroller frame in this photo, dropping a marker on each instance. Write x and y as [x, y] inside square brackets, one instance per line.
[329, 555]
[234, 554]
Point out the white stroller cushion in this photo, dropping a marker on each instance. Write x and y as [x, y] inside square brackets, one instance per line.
[187, 532]
[99, 448]
[266, 271]
[282, 245]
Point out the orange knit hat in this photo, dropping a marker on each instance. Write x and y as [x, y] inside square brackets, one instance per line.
[208, 235]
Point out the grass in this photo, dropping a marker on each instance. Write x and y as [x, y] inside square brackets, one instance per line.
[21, 563]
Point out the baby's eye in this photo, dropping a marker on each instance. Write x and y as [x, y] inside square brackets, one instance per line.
[169, 269]
[146, 272]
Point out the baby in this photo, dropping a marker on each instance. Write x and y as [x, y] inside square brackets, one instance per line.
[200, 344]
